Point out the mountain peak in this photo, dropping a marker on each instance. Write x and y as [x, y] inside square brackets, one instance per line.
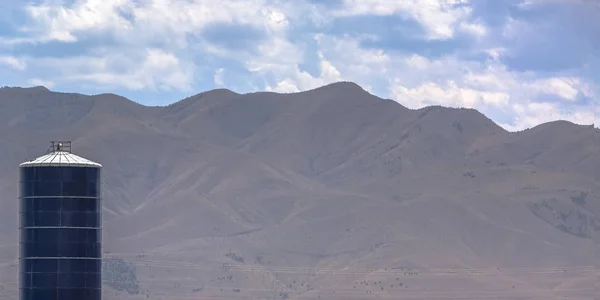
[220, 92]
[341, 86]
[38, 89]
[563, 125]
[344, 91]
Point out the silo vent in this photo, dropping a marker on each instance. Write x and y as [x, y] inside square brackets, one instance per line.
[60, 146]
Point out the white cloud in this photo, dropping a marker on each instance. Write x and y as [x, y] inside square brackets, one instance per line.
[176, 19]
[438, 17]
[529, 115]
[513, 28]
[495, 53]
[341, 59]
[172, 20]
[298, 80]
[493, 77]
[417, 61]
[596, 110]
[565, 88]
[164, 26]
[363, 66]
[150, 69]
[450, 94]
[8, 42]
[41, 82]
[218, 77]
[13, 62]
[276, 54]
[62, 23]
[476, 29]
[284, 86]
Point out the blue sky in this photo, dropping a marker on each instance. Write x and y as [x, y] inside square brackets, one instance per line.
[521, 62]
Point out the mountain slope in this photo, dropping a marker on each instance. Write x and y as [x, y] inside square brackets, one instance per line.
[326, 193]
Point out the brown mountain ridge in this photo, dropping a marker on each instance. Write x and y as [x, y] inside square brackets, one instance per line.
[331, 193]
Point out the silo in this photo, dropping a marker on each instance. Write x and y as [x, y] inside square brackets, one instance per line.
[60, 227]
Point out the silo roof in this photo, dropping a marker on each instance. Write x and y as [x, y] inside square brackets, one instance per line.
[60, 159]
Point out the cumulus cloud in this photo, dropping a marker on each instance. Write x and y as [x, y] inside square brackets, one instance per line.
[153, 34]
[440, 18]
[297, 80]
[54, 22]
[148, 69]
[566, 88]
[13, 62]
[41, 82]
[449, 94]
[218, 77]
[146, 21]
[531, 114]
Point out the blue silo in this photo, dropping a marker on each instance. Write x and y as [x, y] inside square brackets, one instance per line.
[60, 227]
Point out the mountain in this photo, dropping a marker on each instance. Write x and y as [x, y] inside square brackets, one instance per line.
[331, 193]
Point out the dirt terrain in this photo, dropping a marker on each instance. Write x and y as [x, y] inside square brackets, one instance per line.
[331, 193]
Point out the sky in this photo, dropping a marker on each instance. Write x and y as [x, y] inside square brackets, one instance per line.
[520, 62]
